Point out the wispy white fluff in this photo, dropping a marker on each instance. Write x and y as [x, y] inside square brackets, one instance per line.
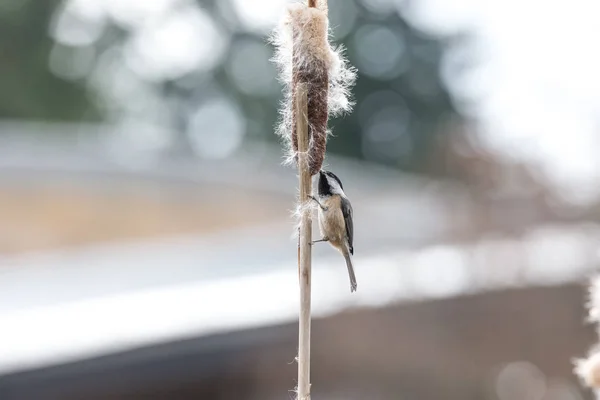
[312, 47]
[593, 304]
[588, 369]
[300, 208]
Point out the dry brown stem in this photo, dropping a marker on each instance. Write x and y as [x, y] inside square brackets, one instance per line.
[304, 244]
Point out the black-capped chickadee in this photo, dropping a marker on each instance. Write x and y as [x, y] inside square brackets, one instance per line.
[335, 219]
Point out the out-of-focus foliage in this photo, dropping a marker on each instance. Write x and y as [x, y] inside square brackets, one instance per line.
[401, 101]
[28, 88]
[201, 69]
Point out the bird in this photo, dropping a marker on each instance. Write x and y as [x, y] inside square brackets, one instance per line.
[335, 216]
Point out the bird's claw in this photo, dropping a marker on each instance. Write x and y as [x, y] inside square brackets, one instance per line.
[318, 202]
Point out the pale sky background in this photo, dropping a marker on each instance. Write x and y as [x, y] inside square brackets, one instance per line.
[534, 89]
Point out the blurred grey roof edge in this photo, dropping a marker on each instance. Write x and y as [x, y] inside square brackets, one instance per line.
[76, 149]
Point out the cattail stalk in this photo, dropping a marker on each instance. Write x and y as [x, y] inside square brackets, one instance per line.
[317, 81]
[305, 238]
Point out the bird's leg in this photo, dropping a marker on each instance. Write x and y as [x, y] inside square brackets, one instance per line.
[320, 205]
[325, 239]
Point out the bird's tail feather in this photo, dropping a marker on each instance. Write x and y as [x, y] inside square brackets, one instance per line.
[353, 284]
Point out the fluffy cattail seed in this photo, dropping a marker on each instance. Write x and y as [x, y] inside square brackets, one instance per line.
[303, 54]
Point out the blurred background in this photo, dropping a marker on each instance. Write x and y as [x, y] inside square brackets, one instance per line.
[146, 246]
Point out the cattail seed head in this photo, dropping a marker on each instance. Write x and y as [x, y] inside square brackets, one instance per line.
[303, 54]
[310, 62]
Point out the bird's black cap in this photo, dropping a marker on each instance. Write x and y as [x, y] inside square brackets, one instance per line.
[324, 187]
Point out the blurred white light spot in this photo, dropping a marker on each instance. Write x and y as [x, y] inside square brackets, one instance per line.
[379, 52]
[387, 134]
[396, 117]
[440, 271]
[261, 15]
[520, 380]
[120, 88]
[342, 18]
[385, 118]
[185, 40]
[71, 63]
[77, 24]
[217, 128]
[250, 69]
[370, 105]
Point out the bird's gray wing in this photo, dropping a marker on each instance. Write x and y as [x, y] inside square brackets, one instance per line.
[348, 219]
